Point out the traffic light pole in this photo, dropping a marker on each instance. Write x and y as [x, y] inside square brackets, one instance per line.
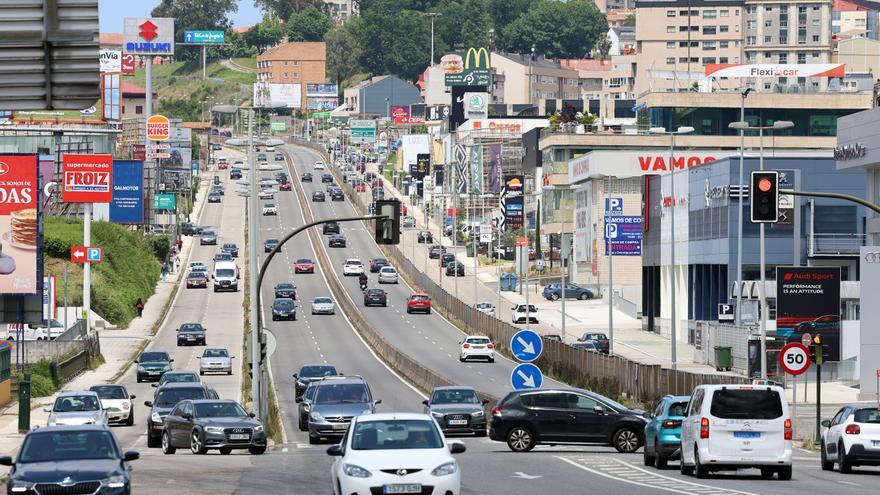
[763, 274]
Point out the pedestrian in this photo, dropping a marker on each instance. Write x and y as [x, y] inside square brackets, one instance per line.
[139, 305]
[164, 271]
[179, 245]
[177, 263]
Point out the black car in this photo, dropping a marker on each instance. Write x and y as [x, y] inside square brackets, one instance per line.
[270, 244]
[425, 237]
[378, 193]
[217, 188]
[336, 241]
[167, 396]
[151, 365]
[445, 259]
[526, 418]
[200, 425]
[213, 198]
[337, 195]
[230, 248]
[190, 228]
[435, 251]
[235, 173]
[310, 373]
[374, 297]
[455, 269]
[285, 289]
[279, 156]
[318, 196]
[327, 178]
[191, 334]
[306, 177]
[283, 308]
[70, 459]
[599, 339]
[330, 228]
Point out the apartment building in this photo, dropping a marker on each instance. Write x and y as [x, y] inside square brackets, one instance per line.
[299, 63]
[855, 19]
[530, 79]
[676, 39]
[342, 10]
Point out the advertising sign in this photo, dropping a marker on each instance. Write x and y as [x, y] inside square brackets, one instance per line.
[275, 95]
[468, 69]
[439, 176]
[128, 64]
[128, 184]
[775, 70]
[205, 37]
[322, 103]
[400, 114]
[476, 169]
[436, 112]
[164, 201]
[322, 90]
[456, 114]
[111, 60]
[808, 301]
[514, 206]
[158, 128]
[869, 342]
[148, 36]
[623, 234]
[19, 224]
[87, 178]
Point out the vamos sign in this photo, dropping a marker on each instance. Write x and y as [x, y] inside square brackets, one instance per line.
[158, 128]
[87, 178]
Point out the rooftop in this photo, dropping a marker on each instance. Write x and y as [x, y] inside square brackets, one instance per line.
[300, 50]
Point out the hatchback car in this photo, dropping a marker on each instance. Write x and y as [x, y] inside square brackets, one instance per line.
[215, 360]
[336, 241]
[418, 302]
[197, 280]
[152, 364]
[457, 410]
[337, 195]
[116, 400]
[304, 265]
[485, 307]
[599, 339]
[191, 334]
[323, 306]
[269, 209]
[336, 402]
[76, 409]
[285, 289]
[445, 259]
[200, 425]
[375, 297]
[304, 405]
[352, 267]
[330, 228]
[395, 453]
[283, 309]
[663, 431]
[852, 438]
[269, 245]
[208, 237]
[388, 275]
[526, 418]
[425, 237]
[310, 373]
[230, 248]
[214, 197]
[521, 314]
[318, 197]
[326, 178]
[552, 292]
[306, 177]
[476, 346]
[376, 264]
[455, 269]
[729, 427]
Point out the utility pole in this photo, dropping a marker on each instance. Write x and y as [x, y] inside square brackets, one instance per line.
[432, 15]
[253, 205]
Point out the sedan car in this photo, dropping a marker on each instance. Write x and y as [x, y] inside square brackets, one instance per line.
[283, 309]
[310, 373]
[425, 237]
[852, 438]
[323, 306]
[191, 334]
[388, 275]
[485, 307]
[177, 377]
[319, 165]
[190, 228]
[337, 195]
[375, 297]
[552, 292]
[76, 409]
[285, 289]
[663, 431]
[197, 280]
[215, 360]
[304, 265]
[222, 256]
[231, 248]
[202, 425]
[306, 177]
[166, 397]
[326, 178]
[267, 194]
[476, 346]
[70, 459]
[377, 263]
[395, 453]
[152, 364]
[407, 221]
[360, 187]
[269, 209]
[116, 400]
[336, 241]
[330, 228]
[208, 237]
[585, 346]
[318, 197]
[599, 339]
[279, 156]
[445, 259]
[285, 186]
[455, 269]
[457, 410]
[435, 251]
[214, 197]
[270, 244]
[352, 267]
[418, 302]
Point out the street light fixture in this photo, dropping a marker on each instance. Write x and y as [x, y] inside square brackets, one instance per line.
[672, 134]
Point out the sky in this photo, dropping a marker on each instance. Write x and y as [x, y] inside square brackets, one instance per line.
[111, 13]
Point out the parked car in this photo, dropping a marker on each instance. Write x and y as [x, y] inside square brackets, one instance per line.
[116, 400]
[457, 409]
[418, 302]
[729, 427]
[207, 424]
[309, 373]
[279, 156]
[552, 292]
[851, 438]
[476, 346]
[215, 360]
[599, 339]
[283, 309]
[191, 334]
[304, 265]
[76, 408]
[375, 297]
[526, 418]
[521, 315]
[330, 228]
[388, 275]
[663, 431]
[285, 289]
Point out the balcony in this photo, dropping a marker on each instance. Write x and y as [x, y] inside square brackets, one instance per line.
[834, 245]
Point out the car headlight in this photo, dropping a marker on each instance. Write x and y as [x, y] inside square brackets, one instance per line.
[214, 429]
[316, 416]
[117, 481]
[355, 471]
[126, 405]
[141, 368]
[478, 414]
[155, 418]
[437, 414]
[258, 428]
[167, 367]
[20, 486]
[445, 469]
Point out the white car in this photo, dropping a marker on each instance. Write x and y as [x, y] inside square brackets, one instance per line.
[319, 165]
[76, 409]
[520, 315]
[485, 307]
[270, 209]
[196, 266]
[476, 346]
[395, 453]
[352, 266]
[388, 275]
[116, 400]
[852, 438]
[48, 330]
[729, 427]
[323, 306]
[267, 194]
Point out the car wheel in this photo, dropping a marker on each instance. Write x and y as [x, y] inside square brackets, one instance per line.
[492, 360]
[167, 448]
[700, 471]
[153, 441]
[201, 373]
[520, 439]
[626, 440]
[659, 460]
[784, 473]
[196, 444]
[684, 468]
[139, 379]
[767, 472]
[130, 420]
[313, 440]
[302, 424]
[225, 451]
[826, 466]
[461, 358]
[583, 297]
[647, 458]
[229, 372]
[257, 450]
[408, 311]
[554, 297]
[843, 464]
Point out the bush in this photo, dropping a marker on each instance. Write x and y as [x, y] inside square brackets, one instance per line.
[161, 247]
[41, 386]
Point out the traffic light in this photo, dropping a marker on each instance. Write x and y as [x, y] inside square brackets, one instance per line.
[818, 350]
[388, 229]
[764, 191]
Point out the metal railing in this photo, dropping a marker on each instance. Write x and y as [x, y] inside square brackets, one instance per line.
[836, 244]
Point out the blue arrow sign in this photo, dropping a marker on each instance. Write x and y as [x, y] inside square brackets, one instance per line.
[526, 345]
[526, 376]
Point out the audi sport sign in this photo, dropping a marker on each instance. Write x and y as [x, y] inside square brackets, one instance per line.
[775, 70]
[87, 178]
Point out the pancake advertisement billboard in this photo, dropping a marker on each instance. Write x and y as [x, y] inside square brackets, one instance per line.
[20, 232]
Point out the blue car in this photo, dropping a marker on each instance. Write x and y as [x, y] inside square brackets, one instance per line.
[663, 431]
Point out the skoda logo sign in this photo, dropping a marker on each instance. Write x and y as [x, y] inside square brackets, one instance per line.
[68, 481]
[872, 258]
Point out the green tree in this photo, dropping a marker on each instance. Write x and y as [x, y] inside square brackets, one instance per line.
[398, 44]
[265, 34]
[463, 24]
[195, 14]
[343, 53]
[603, 45]
[503, 12]
[556, 29]
[309, 24]
[236, 46]
[285, 8]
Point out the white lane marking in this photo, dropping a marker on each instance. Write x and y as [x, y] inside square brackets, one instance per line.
[851, 483]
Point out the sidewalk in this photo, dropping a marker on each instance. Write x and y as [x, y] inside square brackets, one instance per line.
[118, 347]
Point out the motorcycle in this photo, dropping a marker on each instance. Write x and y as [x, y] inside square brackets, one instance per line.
[363, 286]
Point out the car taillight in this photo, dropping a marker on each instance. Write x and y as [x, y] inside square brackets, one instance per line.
[490, 346]
[853, 429]
[672, 423]
[467, 346]
[704, 428]
[496, 411]
[787, 426]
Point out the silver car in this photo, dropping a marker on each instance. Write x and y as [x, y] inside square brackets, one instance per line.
[323, 306]
[388, 275]
[76, 409]
[215, 360]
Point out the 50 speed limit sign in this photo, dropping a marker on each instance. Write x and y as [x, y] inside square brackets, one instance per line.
[794, 358]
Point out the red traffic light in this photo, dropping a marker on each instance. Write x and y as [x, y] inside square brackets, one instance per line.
[764, 185]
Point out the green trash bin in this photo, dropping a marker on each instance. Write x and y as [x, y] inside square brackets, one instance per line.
[470, 250]
[24, 403]
[723, 359]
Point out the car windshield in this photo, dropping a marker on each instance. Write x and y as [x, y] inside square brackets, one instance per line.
[179, 378]
[596, 336]
[269, 205]
[867, 415]
[283, 303]
[522, 307]
[735, 403]
[191, 327]
[380, 260]
[171, 396]
[317, 371]
[222, 257]
[219, 410]
[455, 397]
[154, 357]
[206, 233]
[303, 261]
[199, 269]
[388, 269]
[284, 286]
[194, 275]
[397, 434]
[353, 263]
[481, 341]
[76, 403]
[677, 409]
[272, 241]
[49, 445]
[110, 392]
[225, 273]
[215, 353]
[419, 298]
[229, 246]
[341, 393]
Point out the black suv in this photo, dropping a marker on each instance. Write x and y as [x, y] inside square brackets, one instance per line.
[375, 297]
[527, 418]
[167, 396]
[330, 228]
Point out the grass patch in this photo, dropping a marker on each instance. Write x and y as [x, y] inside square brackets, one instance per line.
[249, 62]
[273, 417]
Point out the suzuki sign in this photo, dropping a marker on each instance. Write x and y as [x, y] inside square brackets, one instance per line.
[87, 178]
[148, 36]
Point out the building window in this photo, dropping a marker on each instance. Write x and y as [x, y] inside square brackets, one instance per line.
[783, 58]
[750, 40]
[768, 23]
[285, 76]
[670, 13]
[768, 8]
[768, 39]
[709, 30]
[695, 13]
[710, 14]
[815, 8]
[750, 9]
[723, 44]
[751, 24]
[768, 54]
[671, 29]
[708, 45]
[802, 10]
[815, 54]
[815, 38]
[683, 13]
[138, 110]
[670, 45]
[723, 13]
[723, 28]
[722, 60]
[736, 60]
[802, 58]
[285, 63]
[708, 60]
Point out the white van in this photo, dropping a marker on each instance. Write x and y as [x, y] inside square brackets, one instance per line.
[48, 330]
[729, 427]
[225, 276]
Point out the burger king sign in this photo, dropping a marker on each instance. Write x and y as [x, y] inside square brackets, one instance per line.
[158, 128]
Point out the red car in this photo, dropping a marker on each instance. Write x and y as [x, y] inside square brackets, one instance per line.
[418, 302]
[402, 209]
[223, 165]
[196, 280]
[304, 265]
[360, 188]
[284, 187]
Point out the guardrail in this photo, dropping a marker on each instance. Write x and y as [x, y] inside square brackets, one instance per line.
[70, 367]
[77, 331]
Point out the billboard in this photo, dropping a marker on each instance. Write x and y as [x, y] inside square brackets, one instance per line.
[775, 70]
[456, 114]
[158, 128]
[128, 186]
[165, 202]
[400, 114]
[87, 178]
[323, 90]
[276, 95]
[513, 201]
[20, 230]
[148, 36]
[476, 160]
[468, 69]
[808, 302]
[205, 37]
[322, 103]
[111, 60]
[495, 168]
[869, 341]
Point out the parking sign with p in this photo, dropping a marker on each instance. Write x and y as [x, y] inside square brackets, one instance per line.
[613, 205]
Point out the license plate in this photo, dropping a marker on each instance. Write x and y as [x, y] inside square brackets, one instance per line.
[340, 426]
[400, 488]
[457, 422]
[747, 434]
[239, 436]
[154, 372]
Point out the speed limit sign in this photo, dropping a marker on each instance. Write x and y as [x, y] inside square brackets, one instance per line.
[794, 358]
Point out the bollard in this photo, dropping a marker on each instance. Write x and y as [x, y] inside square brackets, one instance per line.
[24, 404]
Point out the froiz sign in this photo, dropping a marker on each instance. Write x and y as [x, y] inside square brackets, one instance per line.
[87, 178]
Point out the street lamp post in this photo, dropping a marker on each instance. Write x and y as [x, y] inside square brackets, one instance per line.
[432, 15]
[744, 126]
[672, 134]
[739, 236]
